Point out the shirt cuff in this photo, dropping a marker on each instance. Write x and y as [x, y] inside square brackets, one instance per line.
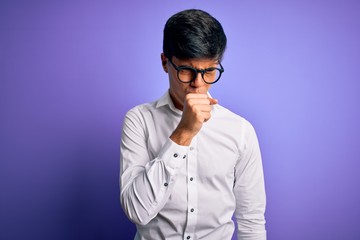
[173, 155]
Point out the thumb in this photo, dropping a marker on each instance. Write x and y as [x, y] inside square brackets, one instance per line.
[213, 101]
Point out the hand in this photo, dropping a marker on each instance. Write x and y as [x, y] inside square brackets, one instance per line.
[196, 111]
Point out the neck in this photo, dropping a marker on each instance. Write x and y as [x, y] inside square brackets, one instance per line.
[175, 101]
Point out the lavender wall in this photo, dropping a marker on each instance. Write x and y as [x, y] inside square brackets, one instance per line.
[69, 72]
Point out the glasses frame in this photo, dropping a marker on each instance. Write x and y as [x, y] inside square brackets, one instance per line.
[197, 71]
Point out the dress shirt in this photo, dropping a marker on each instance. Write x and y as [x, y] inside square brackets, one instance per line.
[178, 192]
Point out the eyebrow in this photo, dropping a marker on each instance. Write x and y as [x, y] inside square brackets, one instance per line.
[190, 65]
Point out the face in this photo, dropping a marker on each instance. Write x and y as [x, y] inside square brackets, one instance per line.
[177, 89]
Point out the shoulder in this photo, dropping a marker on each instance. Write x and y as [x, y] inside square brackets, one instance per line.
[140, 110]
[231, 118]
[233, 126]
[136, 116]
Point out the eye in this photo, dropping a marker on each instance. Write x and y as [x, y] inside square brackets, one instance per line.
[210, 71]
[186, 71]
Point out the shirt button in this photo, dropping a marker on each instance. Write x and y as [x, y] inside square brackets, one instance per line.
[192, 210]
[184, 156]
[191, 179]
[166, 184]
[176, 155]
[188, 237]
[191, 148]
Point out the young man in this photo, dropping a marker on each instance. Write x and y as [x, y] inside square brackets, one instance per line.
[187, 163]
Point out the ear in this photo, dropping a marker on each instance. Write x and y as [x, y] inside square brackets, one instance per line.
[164, 62]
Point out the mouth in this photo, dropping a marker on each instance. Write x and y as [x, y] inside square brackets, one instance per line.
[196, 90]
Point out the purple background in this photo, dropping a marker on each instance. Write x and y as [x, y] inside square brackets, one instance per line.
[69, 72]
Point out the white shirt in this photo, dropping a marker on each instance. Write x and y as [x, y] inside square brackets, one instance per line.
[177, 192]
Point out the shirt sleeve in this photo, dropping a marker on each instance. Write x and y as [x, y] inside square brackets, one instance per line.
[249, 189]
[145, 183]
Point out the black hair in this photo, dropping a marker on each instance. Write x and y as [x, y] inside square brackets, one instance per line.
[194, 33]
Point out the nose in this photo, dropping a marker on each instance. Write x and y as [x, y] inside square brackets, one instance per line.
[198, 81]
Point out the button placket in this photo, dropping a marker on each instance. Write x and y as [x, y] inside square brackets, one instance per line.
[192, 192]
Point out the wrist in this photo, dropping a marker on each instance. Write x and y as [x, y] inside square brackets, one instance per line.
[181, 137]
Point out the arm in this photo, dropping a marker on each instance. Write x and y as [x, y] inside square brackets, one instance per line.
[249, 190]
[145, 183]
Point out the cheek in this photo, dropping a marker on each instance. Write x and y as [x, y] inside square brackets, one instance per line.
[174, 82]
[177, 87]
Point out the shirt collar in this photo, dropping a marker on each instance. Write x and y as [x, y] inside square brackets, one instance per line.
[166, 100]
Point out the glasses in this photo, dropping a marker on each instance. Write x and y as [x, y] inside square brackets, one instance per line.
[188, 74]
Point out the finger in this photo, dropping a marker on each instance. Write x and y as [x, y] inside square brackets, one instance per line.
[199, 101]
[206, 100]
[204, 108]
[196, 95]
[206, 116]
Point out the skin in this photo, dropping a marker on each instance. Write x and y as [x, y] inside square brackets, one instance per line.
[191, 98]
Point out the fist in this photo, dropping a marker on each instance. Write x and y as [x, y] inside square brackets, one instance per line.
[196, 111]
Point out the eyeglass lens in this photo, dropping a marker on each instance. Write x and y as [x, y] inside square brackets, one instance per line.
[189, 74]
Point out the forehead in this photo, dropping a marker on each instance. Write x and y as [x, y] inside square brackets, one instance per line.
[196, 62]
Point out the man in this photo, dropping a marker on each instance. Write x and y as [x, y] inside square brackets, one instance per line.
[188, 164]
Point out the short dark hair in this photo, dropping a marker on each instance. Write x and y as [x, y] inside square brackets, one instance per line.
[194, 33]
